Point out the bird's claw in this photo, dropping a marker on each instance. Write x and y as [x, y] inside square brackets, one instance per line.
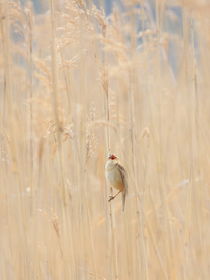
[110, 198]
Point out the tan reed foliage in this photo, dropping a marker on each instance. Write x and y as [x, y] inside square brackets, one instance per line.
[77, 83]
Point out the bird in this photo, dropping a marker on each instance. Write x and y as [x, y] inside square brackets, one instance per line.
[116, 176]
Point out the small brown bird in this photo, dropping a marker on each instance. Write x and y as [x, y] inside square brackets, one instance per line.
[116, 176]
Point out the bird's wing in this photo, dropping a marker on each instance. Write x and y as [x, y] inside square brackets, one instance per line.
[123, 175]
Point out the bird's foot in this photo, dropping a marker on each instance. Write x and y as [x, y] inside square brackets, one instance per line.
[111, 197]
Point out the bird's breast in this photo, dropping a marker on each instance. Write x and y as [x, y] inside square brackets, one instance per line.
[113, 176]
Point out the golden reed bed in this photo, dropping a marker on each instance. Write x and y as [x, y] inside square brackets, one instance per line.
[77, 83]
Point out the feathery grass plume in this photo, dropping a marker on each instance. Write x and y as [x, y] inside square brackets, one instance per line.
[76, 81]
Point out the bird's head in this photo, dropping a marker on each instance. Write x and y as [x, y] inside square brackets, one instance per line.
[112, 157]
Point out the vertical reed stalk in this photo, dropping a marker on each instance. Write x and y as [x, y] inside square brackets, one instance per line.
[55, 95]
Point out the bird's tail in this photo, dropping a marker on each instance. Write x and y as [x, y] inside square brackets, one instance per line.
[123, 199]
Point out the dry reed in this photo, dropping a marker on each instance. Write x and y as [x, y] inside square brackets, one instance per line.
[76, 84]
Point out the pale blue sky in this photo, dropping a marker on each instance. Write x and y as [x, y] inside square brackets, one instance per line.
[39, 9]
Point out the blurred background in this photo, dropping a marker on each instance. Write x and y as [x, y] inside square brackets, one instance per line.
[80, 79]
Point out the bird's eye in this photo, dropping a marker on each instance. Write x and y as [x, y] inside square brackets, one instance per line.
[112, 157]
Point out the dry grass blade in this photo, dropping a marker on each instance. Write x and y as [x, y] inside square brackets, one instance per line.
[78, 81]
